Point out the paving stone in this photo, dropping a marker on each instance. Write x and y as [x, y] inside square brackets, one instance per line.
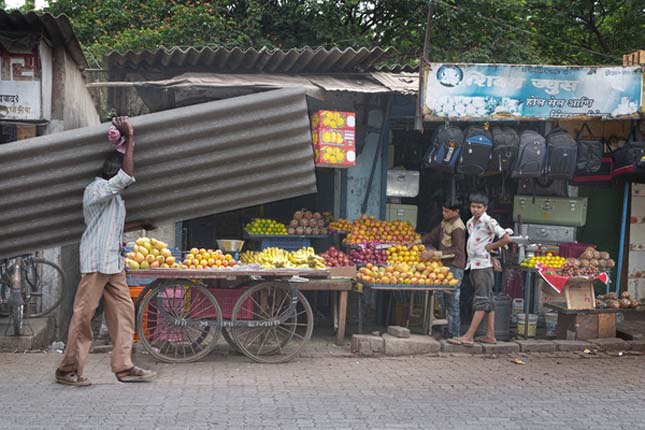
[398, 331]
[367, 345]
[415, 344]
[536, 345]
[571, 345]
[610, 344]
[501, 348]
[449, 347]
[636, 345]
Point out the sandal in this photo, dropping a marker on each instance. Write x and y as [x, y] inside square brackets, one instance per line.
[71, 378]
[486, 340]
[460, 341]
[136, 374]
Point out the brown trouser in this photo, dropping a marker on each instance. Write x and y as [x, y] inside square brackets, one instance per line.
[119, 314]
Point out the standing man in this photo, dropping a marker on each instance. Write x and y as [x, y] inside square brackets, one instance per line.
[482, 231]
[102, 272]
[449, 238]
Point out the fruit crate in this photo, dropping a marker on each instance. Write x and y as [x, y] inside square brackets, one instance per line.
[406, 286]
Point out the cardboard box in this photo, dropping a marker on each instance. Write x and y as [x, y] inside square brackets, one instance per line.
[334, 138]
[343, 272]
[334, 120]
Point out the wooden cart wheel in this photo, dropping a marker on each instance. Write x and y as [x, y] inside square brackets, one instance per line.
[226, 333]
[263, 339]
[179, 321]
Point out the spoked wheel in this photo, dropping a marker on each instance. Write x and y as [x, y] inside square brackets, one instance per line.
[44, 281]
[179, 322]
[226, 333]
[272, 322]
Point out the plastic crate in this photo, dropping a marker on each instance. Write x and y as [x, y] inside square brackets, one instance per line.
[226, 298]
[573, 249]
[135, 290]
[287, 243]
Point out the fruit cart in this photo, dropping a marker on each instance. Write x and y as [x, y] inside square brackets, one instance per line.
[428, 305]
[259, 312]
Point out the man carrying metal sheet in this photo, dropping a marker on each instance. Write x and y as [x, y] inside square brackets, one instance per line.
[103, 273]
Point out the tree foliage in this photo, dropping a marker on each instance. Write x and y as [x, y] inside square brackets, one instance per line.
[509, 31]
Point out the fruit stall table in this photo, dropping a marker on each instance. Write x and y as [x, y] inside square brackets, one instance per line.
[428, 306]
[261, 313]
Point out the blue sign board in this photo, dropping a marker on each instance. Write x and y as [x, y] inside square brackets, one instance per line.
[499, 91]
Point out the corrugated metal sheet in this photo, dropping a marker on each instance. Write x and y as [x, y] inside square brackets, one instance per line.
[357, 84]
[404, 83]
[190, 162]
[57, 29]
[265, 60]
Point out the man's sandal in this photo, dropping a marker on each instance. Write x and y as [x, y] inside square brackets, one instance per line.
[136, 374]
[71, 378]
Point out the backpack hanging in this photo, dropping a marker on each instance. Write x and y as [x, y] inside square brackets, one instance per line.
[506, 144]
[590, 153]
[561, 154]
[631, 155]
[531, 156]
[476, 151]
[445, 150]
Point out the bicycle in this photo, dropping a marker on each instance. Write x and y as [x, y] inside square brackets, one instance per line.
[30, 287]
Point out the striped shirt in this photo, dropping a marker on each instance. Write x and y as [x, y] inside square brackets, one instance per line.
[104, 213]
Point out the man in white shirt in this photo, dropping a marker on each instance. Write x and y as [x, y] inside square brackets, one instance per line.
[482, 231]
[102, 272]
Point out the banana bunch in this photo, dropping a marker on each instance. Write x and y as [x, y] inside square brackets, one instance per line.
[276, 258]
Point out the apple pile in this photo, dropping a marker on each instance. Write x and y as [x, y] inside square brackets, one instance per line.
[149, 253]
[370, 230]
[335, 258]
[363, 255]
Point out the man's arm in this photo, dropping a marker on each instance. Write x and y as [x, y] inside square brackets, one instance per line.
[504, 238]
[127, 131]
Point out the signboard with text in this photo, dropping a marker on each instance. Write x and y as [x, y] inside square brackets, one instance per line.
[499, 91]
[20, 86]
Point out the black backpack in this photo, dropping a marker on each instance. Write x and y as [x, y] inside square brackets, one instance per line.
[446, 148]
[632, 153]
[530, 156]
[590, 153]
[476, 151]
[506, 143]
[561, 154]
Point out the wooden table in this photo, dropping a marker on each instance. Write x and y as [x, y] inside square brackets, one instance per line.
[340, 285]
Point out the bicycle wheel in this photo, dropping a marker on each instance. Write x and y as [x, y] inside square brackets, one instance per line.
[43, 283]
[179, 322]
[264, 340]
[17, 318]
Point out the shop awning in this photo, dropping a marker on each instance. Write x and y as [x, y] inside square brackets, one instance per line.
[312, 83]
[190, 162]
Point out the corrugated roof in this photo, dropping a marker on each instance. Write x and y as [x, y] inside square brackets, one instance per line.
[265, 60]
[190, 162]
[404, 83]
[312, 83]
[57, 29]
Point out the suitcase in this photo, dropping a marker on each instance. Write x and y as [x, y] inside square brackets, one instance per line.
[564, 211]
[546, 234]
[402, 183]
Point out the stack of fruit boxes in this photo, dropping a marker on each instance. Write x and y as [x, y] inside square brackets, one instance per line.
[334, 138]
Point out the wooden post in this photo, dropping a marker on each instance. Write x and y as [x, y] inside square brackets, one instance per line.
[342, 316]
[418, 121]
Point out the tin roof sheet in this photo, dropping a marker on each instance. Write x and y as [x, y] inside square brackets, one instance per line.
[57, 29]
[251, 60]
[190, 162]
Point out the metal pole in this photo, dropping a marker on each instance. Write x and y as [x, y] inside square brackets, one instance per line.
[418, 121]
[623, 231]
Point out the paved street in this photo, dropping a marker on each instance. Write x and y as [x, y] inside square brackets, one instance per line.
[330, 389]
